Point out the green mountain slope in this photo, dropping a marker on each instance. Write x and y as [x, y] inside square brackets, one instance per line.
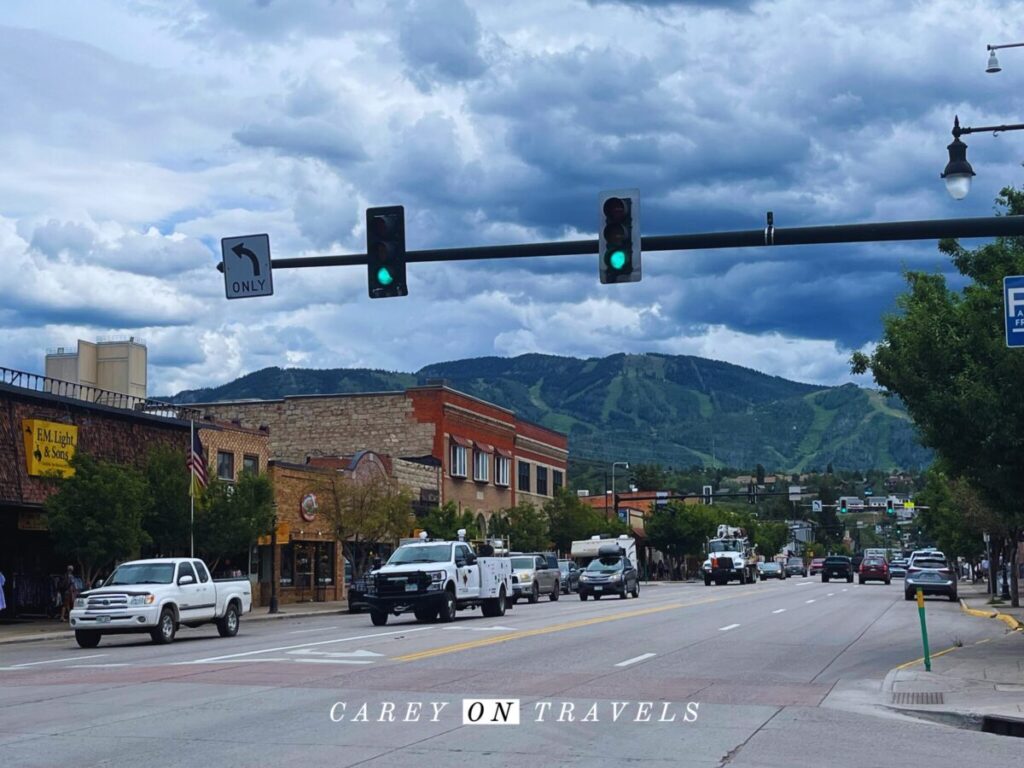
[673, 410]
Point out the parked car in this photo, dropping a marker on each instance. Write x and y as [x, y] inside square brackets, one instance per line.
[570, 576]
[533, 576]
[898, 568]
[874, 569]
[609, 573]
[795, 566]
[837, 567]
[816, 566]
[932, 575]
[929, 553]
[771, 571]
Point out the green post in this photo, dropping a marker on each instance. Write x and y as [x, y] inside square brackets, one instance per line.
[924, 631]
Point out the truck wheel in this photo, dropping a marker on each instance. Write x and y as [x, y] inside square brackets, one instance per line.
[849, 579]
[448, 608]
[423, 614]
[707, 581]
[87, 638]
[824, 579]
[165, 629]
[583, 597]
[556, 593]
[228, 625]
[597, 597]
[379, 618]
[534, 593]
[495, 606]
[636, 589]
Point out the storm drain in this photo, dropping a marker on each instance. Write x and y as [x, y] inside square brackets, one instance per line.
[931, 697]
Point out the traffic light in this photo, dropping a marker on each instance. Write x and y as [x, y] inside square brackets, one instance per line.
[751, 493]
[619, 236]
[709, 497]
[385, 252]
[843, 509]
[889, 509]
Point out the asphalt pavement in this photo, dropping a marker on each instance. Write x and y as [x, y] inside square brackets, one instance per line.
[784, 673]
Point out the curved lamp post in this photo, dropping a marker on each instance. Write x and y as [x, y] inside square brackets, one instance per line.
[958, 172]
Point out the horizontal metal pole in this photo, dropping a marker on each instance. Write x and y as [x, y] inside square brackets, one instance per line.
[995, 226]
[988, 129]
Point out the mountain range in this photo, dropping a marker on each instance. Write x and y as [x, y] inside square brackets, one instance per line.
[674, 410]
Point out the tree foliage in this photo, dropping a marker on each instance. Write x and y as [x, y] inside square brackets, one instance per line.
[96, 515]
[569, 520]
[678, 530]
[231, 516]
[525, 526]
[445, 522]
[167, 516]
[945, 356]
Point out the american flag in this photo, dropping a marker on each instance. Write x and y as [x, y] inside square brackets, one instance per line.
[196, 461]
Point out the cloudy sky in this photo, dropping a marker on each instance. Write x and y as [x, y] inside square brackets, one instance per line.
[137, 134]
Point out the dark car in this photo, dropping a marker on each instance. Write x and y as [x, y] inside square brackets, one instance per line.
[795, 567]
[570, 576]
[874, 569]
[932, 576]
[609, 573]
[837, 567]
[771, 571]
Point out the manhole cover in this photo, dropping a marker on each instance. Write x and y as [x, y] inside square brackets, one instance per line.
[931, 697]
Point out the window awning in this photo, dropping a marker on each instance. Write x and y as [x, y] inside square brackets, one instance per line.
[503, 452]
[485, 448]
[465, 442]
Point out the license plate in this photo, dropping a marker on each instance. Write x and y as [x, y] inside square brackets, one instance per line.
[410, 587]
[102, 619]
[598, 589]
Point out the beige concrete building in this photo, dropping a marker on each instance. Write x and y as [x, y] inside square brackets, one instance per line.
[114, 366]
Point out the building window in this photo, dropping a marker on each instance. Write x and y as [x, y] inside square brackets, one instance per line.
[542, 481]
[457, 465]
[501, 470]
[225, 465]
[251, 464]
[524, 476]
[557, 479]
[481, 466]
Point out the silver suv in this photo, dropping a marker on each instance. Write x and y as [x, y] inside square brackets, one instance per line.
[533, 575]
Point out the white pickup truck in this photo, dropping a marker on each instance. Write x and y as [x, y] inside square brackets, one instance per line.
[434, 579]
[157, 596]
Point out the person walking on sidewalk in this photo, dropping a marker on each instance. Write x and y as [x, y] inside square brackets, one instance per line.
[70, 586]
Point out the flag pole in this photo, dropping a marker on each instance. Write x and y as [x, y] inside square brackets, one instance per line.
[191, 491]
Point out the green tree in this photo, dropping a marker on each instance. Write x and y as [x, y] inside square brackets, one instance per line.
[569, 520]
[231, 516]
[167, 519]
[677, 530]
[525, 526]
[445, 522]
[649, 477]
[96, 515]
[945, 356]
[364, 513]
[770, 537]
[953, 515]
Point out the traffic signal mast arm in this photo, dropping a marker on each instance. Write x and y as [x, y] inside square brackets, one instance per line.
[995, 226]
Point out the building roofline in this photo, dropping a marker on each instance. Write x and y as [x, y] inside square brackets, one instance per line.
[88, 405]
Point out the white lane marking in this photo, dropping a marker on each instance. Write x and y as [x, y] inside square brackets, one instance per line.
[318, 629]
[780, 610]
[726, 629]
[808, 601]
[96, 666]
[804, 583]
[635, 659]
[331, 661]
[58, 661]
[844, 590]
[309, 645]
[830, 594]
[234, 661]
[335, 654]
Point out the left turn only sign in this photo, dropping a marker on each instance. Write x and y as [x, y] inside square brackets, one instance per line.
[247, 266]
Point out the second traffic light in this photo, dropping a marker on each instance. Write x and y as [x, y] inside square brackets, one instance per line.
[619, 236]
[385, 252]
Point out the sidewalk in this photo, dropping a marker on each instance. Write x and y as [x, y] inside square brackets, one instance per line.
[44, 629]
[979, 686]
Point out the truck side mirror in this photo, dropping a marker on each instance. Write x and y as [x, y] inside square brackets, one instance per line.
[183, 580]
[376, 563]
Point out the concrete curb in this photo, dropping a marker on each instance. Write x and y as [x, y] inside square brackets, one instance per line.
[1008, 620]
[69, 634]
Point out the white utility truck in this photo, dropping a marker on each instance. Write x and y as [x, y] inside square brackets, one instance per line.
[157, 596]
[730, 557]
[434, 579]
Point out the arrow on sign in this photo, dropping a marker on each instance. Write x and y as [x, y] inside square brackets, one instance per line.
[240, 251]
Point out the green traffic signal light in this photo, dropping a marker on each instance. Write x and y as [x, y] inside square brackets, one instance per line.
[384, 276]
[385, 251]
[619, 236]
[617, 260]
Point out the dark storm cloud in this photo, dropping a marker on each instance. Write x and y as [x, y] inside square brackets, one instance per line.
[440, 42]
[304, 137]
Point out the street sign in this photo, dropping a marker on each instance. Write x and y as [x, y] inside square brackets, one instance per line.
[247, 266]
[1013, 304]
[794, 492]
[908, 505]
[816, 506]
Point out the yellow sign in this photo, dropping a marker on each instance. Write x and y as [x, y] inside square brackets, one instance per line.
[284, 535]
[908, 505]
[49, 446]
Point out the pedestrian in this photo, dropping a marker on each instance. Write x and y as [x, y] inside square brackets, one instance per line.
[984, 569]
[3, 600]
[70, 586]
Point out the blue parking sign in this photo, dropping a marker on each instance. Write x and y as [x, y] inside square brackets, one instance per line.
[1013, 303]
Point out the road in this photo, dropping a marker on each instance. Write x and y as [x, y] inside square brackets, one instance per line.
[769, 674]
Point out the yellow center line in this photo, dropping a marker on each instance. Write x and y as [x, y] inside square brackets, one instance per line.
[557, 628]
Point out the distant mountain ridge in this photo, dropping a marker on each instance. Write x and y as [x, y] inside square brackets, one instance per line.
[675, 410]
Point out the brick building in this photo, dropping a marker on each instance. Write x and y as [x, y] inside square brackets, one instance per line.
[489, 458]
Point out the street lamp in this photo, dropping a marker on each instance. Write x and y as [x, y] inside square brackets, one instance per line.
[993, 60]
[614, 465]
[958, 172]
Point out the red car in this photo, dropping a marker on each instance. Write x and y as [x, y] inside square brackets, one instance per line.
[816, 565]
[874, 569]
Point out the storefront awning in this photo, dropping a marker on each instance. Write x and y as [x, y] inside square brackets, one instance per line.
[485, 448]
[503, 452]
[465, 442]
